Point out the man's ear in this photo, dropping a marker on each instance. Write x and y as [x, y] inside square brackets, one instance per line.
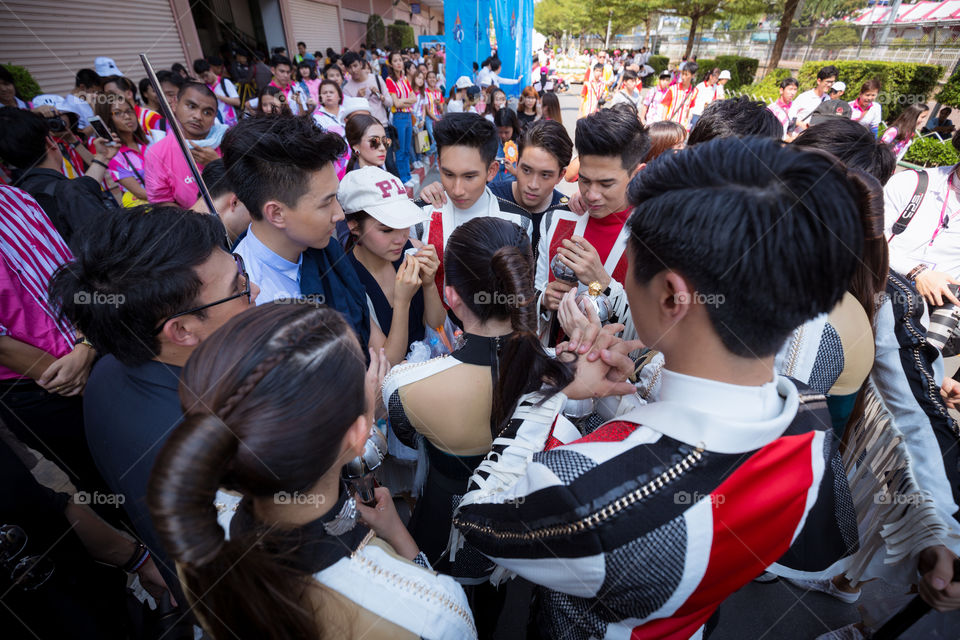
[492, 170]
[233, 202]
[275, 213]
[561, 175]
[677, 296]
[179, 332]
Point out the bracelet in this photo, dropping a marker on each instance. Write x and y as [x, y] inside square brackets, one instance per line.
[917, 270]
[100, 162]
[140, 555]
[75, 144]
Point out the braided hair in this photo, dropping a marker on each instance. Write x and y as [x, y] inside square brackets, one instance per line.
[267, 400]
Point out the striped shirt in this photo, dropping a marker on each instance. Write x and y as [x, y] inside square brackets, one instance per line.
[31, 251]
[435, 102]
[401, 90]
[148, 119]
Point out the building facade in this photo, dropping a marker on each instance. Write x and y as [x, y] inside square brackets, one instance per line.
[53, 39]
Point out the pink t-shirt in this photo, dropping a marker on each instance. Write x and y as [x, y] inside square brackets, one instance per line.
[167, 174]
[31, 250]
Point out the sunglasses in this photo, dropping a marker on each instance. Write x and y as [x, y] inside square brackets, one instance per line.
[241, 273]
[376, 141]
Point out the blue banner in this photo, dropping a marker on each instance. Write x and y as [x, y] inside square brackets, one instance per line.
[467, 26]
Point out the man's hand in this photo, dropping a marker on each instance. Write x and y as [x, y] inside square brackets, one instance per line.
[932, 285]
[579, 255]
[434, 195]
[554, 293]
[603, 376]
[104, 148]
[203, 155]
[68, 375]
[940, 585]
[576, 204]
[950, 392]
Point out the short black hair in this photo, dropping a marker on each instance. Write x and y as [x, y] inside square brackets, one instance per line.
[828, 71]
[88, 78]
[272, 158]
[302, 44]
[692, 67]
[200, 66]
[630, 74]
[729, 215]
[349, 58]
[125, 84]
[612, 132]
[468, 130]
[5, 75]
[23, 136]
[735, 117]
[196, 86]
[853, 144]
[278, 60]
[549, 135]
[143, 85]
[147, 255]
[276, 51]
[786, 82]
[165, 75]
[215, 177]
[215, 61]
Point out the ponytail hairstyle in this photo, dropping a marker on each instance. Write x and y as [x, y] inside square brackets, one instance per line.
[870, 278]
[267, 400]
[488, 261]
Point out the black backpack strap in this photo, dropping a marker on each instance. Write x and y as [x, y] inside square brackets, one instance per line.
[912, 206]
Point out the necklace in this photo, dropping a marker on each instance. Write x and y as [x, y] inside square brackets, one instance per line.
[343, 521]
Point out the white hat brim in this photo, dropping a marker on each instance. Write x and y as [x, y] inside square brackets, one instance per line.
[398, 214]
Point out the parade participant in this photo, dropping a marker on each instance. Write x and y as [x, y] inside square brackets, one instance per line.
[398, 284]
[865, 109]
[283, 171]
[594, 92]
[296, 99]
[680, 97]
[781, 107]
[403, 100]
[706, 93]
[652, 110]
[628, 92]
[274, 405]
[806, 102]
[467, 148]
[634, 508]
[612, 145]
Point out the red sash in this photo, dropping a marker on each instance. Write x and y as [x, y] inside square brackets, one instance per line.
[435, 237]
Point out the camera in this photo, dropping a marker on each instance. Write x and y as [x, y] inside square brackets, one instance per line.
[943, 331]
[56, 125]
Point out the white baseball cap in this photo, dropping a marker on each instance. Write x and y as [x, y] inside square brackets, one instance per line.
[839, 86]
[380, 194]
[106, 67]
[463, 82]
[352, 104]
[724, 75]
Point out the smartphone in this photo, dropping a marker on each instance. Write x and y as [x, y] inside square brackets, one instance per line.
[101, 129]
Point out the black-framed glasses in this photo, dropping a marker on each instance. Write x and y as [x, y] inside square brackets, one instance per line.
[241, 273]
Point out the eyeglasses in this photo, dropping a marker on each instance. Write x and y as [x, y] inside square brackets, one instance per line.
[376, 141]
[241, 273]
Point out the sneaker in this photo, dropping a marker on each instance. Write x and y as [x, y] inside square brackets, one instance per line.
[849, 632]
[826, 586]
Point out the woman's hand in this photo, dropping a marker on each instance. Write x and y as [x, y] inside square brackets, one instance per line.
[407, 282]
[385, 522]
[605, 376]
[429, 261]
[373, 382]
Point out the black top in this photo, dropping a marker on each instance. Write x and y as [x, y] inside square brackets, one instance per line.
[72, 205]
[504, 192]
[525, 119]
[308, 548]
[382, 307]
[129, 413]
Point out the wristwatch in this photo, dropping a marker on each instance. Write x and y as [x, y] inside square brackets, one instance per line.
[917, 270]
[83, 340]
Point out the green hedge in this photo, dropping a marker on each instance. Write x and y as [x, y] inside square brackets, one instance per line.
[930, 152]
[26, 86]
[742, 69]
[376, 32]
[950, 94]
[767, 89]
[400, 35]
[903, 83]
[659, 63]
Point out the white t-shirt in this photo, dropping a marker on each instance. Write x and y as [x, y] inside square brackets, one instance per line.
[704, 96]
[804, 104]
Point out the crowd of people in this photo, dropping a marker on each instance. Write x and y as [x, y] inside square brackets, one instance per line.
[292, 401]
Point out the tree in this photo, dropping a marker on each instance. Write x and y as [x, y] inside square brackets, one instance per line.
[700, 10]
[590, 17]
[789, 9]
[553, 17]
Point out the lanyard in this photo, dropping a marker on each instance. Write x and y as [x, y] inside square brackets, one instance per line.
[944, 219]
